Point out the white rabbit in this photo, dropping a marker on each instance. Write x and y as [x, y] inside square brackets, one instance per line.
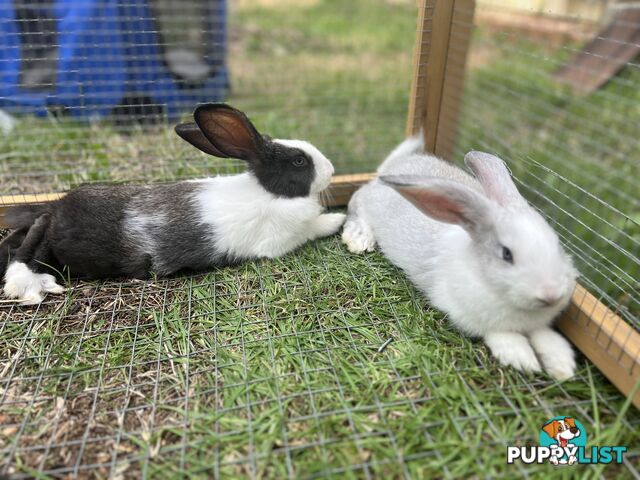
[474, 247]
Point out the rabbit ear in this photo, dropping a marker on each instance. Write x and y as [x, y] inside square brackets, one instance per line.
[229, 131]
[494, 177]
[445, 201]
[192, 134]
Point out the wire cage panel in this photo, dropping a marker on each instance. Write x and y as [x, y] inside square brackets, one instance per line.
[573, 156]
[322, 363]
[283, 79]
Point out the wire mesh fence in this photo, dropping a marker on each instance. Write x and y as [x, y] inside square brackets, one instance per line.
[564, 114]
[276, 368]
[316, 83]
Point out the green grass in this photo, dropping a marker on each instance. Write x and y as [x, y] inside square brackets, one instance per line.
[270, 369]
[274, 367]
[333, 96]
[320, 80]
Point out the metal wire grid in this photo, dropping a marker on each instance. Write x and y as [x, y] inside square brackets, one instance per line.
[172, 403]
[575, 158]
[137, 143]
[182, 393]
[53, 154]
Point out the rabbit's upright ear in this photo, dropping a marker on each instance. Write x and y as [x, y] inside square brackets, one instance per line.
[229, 131]
[192, 134]
[445, 201]
[494, 177]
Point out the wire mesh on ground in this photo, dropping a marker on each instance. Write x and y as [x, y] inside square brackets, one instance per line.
[269, 369]
[272, 369]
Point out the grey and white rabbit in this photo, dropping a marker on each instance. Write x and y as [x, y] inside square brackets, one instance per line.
[138, 230]
[474, 247]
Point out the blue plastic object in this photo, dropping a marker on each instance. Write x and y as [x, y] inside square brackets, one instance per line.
[108, 52]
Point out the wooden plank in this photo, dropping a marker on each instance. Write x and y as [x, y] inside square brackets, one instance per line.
[415, 116]
[551, 29]
[442, 42]
[342, 187]
[435, 78]
[29, 198]
[606, 339]
[453, 82]
[338, 194]
[7, 201]
[605, 55]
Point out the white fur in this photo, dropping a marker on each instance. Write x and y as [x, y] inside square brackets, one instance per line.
[358, 237]
[323, 167]
[247, 221]
[28, 287]
[512, 349]
[7, 123]
[357, 234]
[139, 225]
[555, 353]
[326, 225]
[483, 295]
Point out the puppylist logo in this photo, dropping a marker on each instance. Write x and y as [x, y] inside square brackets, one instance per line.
[563, 441]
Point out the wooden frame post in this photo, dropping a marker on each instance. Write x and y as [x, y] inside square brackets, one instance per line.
[442, 42]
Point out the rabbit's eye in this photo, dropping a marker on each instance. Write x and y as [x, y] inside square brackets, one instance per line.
[299, 161]
[507, 256]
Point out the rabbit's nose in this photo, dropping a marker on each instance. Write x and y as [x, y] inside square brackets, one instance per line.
[549, 299]
[549, 293]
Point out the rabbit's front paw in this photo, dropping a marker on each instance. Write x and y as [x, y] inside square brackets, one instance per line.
[328, 224]
[358, 236]
[513, 349]
[555, 353]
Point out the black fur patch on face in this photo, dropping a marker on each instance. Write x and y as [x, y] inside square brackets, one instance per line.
[284, 171]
